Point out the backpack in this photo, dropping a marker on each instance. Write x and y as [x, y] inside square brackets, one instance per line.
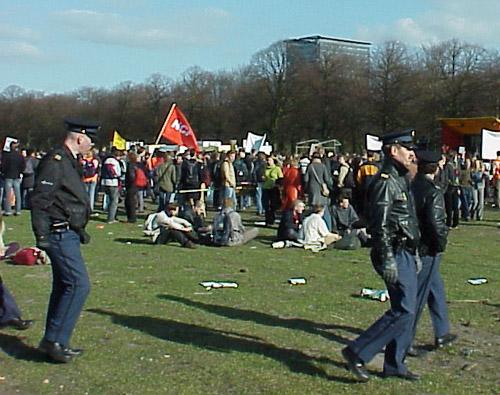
[241, 170]
[350, 241]
[349, 179]
[192, 177]
[89, 168]
[141, 181]
[221, 228]
[108, 170]
[217, 173]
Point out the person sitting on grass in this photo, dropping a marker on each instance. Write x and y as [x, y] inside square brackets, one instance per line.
[290, 232]
[228, 230]
[173, 228]
[316, 234]
[345, 220]
[194, 212]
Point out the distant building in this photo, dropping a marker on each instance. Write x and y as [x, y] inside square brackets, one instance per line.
[310, 49]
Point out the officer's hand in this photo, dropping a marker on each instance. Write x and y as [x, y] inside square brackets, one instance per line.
[390, 272]
[84, 237]
[418, 263]
[42, 242]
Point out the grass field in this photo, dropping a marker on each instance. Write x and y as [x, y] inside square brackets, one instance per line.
[149, 328]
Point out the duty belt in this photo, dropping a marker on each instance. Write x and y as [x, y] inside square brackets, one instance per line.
[402, 243]
[59, 227]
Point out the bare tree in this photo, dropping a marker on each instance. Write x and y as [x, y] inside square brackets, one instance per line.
[391, 73]
[269, 66]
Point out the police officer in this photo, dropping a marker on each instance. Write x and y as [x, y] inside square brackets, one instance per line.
[10, 314]
[431, 214]
[60, 210]
[395, 236]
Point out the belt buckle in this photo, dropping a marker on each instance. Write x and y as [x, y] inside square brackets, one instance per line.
[59, 227]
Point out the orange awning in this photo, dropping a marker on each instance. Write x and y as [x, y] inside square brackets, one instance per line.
[470, 126]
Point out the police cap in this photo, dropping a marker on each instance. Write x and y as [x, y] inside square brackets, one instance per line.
[425, 156]
[404, 138]
[89, 128]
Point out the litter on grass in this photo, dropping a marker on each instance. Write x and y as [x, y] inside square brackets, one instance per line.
[297, 281]
[477, 280]
[381, 295]
[208, 285]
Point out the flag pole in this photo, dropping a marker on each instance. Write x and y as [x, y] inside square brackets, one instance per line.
[166, 119]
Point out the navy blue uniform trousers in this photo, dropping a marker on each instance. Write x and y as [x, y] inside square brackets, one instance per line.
[8, 306]
[70, 286]
[394, 329]
[431, 292]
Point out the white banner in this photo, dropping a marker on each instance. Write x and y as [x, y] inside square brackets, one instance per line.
[373, 143]
[8, 142]
[490, 144]
[254, 142]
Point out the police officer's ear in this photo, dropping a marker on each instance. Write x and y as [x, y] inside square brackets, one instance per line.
[393, 150]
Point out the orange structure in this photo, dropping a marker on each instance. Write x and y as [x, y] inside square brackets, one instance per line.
[456, 131]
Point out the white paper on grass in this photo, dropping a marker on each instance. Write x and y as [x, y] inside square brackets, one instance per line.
[218, 284]
[373, 142]
[490, 144]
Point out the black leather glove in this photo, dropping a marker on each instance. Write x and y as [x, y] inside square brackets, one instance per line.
[390, 272]
[84, 237]
[42, 242]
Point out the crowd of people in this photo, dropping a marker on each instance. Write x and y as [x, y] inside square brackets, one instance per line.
[401, 205]
[272, 184]
[334, 186]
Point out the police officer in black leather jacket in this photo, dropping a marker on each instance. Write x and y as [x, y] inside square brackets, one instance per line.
[60, 211]
[395, 237]
[431, 215]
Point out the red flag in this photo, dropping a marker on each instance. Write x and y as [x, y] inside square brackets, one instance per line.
[178, 130]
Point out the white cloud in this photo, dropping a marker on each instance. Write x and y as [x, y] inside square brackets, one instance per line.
[17, 44]
[8, 32]
[194, 28]
[19, 51]
[472, 21]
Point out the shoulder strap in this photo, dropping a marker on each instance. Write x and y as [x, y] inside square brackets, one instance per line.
[315, 174]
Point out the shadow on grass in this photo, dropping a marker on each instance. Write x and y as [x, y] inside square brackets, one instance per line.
[478, 223]
[126, 240]
[311, 327]
[14, 347]
[222, 341]
[266, 239]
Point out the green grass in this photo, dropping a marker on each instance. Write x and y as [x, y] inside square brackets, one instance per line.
[149, 328]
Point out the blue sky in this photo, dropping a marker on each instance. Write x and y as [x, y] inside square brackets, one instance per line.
[60, 46]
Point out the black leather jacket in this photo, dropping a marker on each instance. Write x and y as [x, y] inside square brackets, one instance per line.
[431, 214]
[392, 218]
[59, 194]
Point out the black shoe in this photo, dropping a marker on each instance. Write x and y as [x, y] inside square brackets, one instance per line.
[354, 365]
[405, 376]
[416, 352]
[19, 324]
[440, 342]
[55, 351]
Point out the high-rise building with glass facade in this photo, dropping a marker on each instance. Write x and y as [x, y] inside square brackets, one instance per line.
[310, 49]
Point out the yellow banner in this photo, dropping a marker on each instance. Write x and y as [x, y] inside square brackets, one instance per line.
[119, 142]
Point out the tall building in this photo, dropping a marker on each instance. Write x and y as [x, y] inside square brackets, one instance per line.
[310, 49]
